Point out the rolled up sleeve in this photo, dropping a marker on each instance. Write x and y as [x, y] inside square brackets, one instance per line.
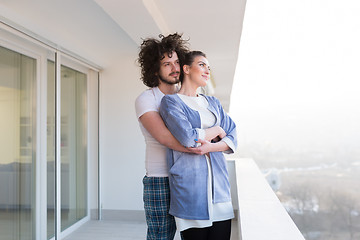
[229, 127]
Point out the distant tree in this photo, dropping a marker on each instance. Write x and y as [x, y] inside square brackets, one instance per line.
[345, 211]
[302, 205]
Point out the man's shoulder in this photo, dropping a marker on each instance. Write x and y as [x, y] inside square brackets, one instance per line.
[146, 102]
[146, 95]
[147, 92]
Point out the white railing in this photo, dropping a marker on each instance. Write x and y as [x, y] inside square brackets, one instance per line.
[259, 212]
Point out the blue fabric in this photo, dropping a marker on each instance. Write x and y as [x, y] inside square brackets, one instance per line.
[161, 225]
[188, 173]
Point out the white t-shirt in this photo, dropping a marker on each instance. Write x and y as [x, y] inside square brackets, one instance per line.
[155, 155]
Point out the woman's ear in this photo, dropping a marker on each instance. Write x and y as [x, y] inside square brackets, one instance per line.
[186, 69]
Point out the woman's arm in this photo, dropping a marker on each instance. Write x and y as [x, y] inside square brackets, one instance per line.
[214, 132]
[229, 127]
[176, 120]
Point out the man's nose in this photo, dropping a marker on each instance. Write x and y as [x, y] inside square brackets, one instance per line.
[174, 67]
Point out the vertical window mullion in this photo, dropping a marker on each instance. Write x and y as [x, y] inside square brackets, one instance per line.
[57, 146]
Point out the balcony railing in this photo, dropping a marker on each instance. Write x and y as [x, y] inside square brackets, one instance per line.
[260, 214]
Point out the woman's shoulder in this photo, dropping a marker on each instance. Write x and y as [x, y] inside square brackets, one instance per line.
[211, 98]
[170, 98]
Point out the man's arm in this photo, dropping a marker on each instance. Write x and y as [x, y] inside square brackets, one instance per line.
[179, 125]
[154, 124]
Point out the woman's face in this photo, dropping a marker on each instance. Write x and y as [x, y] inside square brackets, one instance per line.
[198, 71]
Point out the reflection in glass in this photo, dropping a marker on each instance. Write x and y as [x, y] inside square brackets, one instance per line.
[73, 146]
[17, 145]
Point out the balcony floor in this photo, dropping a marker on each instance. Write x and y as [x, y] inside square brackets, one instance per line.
[119, 230]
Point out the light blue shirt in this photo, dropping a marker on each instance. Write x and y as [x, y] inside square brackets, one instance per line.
[188, 173]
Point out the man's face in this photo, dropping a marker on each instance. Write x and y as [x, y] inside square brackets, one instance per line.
[169, 72]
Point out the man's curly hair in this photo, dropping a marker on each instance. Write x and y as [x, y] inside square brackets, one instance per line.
[152, 51]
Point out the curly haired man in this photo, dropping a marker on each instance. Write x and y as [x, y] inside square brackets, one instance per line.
[160, 62]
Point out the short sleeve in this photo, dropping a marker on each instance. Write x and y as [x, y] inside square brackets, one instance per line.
[144, 103]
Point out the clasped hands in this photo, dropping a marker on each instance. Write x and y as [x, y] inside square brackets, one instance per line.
[210, 144]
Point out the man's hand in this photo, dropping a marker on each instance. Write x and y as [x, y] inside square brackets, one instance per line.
[205, 147]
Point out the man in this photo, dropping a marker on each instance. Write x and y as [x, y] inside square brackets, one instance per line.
[160, 62]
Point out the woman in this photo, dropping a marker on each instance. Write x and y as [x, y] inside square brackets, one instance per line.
[199, 184]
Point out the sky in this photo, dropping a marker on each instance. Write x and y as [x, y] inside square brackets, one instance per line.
[297, 81]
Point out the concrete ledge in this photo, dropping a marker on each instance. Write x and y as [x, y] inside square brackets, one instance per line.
[261, 214]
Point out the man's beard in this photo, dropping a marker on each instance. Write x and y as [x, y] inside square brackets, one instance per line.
[169, 82]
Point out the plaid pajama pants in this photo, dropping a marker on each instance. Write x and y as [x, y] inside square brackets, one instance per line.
[161, 225]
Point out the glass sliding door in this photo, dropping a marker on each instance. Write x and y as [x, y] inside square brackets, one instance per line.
[73, 146]
[44, 163]
[17, 145]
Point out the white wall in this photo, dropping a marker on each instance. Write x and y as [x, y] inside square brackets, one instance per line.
[122, 146]
[94, 36]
